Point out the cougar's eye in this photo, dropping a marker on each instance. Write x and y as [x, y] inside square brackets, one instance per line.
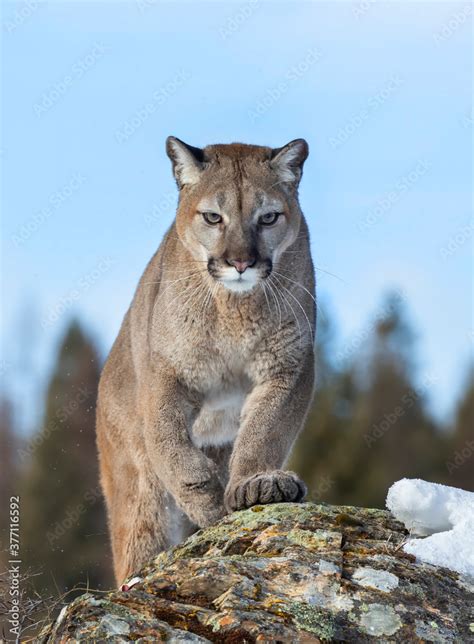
[269, 218]
[212, 218]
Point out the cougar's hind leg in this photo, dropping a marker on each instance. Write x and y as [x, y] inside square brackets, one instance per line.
[140, 511]
[141, 523]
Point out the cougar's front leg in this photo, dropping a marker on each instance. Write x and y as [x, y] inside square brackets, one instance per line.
[190, 476]
[271, 419]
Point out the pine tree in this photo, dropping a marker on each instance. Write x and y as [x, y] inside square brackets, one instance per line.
[368, 426]
[63, 518]
[319, 451]
[391, 436]
[460, 453]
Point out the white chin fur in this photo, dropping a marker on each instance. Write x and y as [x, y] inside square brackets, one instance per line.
[237, 287]
[237, 283]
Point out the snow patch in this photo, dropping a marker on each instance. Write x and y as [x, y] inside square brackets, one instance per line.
[445, 515]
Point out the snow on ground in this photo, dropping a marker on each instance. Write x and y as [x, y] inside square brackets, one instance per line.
[445, 514]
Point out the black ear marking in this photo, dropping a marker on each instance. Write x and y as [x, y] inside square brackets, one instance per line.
[197, 153]
[288, 160]
[187, 161]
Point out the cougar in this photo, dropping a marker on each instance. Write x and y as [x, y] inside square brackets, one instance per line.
[210, 378]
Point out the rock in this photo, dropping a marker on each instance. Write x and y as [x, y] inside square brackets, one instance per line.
[281, 573]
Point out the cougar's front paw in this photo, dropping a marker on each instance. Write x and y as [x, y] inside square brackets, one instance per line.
[262, 488]
[201, 493]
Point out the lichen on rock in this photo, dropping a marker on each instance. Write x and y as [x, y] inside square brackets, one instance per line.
[281, 573]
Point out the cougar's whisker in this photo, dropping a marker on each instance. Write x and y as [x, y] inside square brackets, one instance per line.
[185, 277]
[318, 306]
[177, 296]
[297, 284]
[301, 307]
[176, 280]
[263, 287]
[195, 296]
[292, 310]
[275, 296]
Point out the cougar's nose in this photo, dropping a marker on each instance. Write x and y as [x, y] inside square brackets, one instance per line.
[241, 265]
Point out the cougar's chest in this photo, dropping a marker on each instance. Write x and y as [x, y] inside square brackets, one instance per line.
[212, 362]
[219, 376]
[218, 420]
[222, 386]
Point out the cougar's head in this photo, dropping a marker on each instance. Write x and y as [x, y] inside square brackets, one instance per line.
[238, 207]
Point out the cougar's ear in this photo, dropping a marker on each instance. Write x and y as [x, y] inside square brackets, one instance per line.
[187, 161]
[288, 161]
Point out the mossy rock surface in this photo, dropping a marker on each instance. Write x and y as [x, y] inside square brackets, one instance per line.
[282, 573]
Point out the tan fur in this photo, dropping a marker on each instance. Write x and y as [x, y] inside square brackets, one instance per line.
[211, 376]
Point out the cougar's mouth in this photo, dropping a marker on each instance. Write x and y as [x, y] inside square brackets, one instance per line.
[239, 278]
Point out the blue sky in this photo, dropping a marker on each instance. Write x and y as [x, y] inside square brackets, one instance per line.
[381, 91]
